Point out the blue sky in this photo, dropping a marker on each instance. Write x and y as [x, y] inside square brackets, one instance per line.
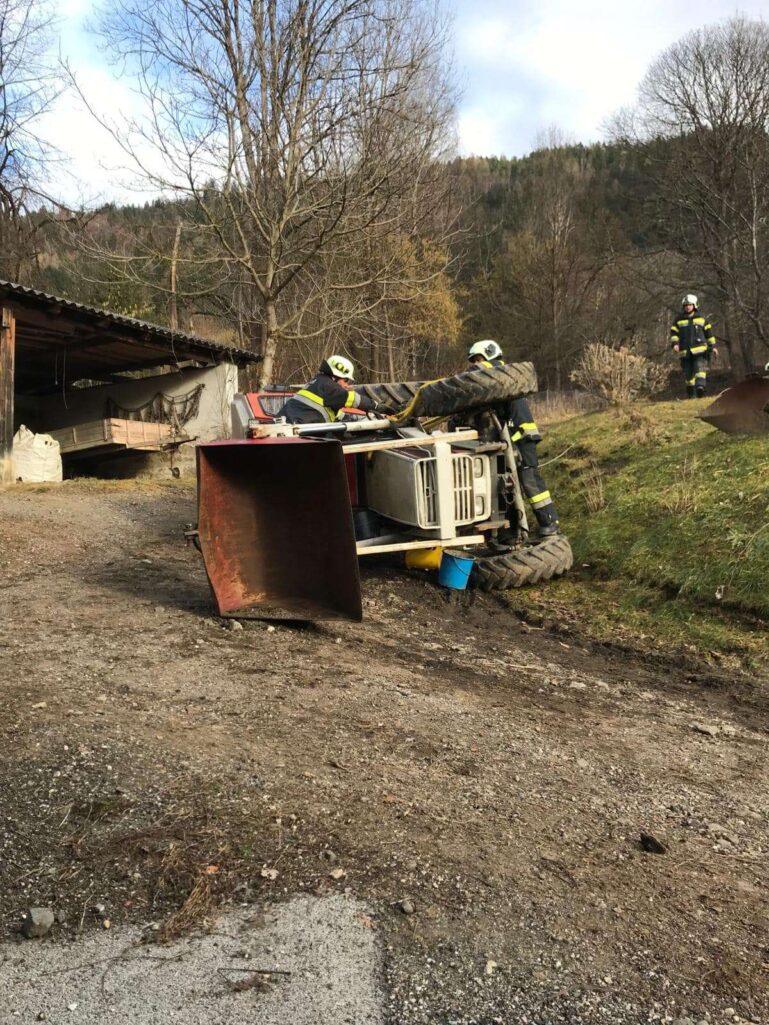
[523, 66]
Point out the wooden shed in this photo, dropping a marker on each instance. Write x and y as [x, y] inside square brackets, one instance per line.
[49, 346]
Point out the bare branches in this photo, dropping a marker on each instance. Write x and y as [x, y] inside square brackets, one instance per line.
[294, 134]
[707, 97]
[28, 86]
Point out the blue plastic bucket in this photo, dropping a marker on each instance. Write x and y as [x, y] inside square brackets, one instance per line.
[455, 570]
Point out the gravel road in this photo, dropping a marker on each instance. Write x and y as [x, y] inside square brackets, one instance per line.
[481, 786]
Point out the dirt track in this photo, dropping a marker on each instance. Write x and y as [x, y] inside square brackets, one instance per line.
[495, 777]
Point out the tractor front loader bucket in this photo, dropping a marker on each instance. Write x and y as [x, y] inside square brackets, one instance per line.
[275, 529]
[741, 409]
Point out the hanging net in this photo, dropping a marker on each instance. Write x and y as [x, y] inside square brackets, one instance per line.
[176, 410]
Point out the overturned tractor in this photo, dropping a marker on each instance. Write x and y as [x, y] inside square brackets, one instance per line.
[286, 510]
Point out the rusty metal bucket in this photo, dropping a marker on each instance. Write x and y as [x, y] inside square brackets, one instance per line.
[275, 529]
[741, 409]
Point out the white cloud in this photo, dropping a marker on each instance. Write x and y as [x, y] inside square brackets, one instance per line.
[74, 8]
[92, 168]
[528, 64]
[478, 131]
[573, 63]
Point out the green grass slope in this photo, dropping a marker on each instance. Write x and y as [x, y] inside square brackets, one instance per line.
[663, 509]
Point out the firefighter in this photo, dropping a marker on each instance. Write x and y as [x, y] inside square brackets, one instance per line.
[691, 336]
[525, 435]
[327, 394]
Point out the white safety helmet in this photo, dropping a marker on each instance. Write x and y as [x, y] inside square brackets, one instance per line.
[341, 366]
[488, 348]
[689, 300]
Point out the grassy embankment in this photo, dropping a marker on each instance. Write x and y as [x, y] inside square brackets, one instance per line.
[669, 522]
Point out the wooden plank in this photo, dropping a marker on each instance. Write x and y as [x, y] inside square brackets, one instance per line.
[364, 548]
[423, 442]
[7, 383]
[444, 487]
[112, 431]
[81, 436]
[132, 433]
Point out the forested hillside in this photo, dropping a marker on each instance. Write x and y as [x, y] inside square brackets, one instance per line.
[547, 253]
[365, 234]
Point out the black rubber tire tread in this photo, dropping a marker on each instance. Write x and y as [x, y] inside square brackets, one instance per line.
[474, 389]
[549, 558]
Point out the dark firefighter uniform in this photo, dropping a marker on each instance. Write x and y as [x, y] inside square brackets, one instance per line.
[524, 433]
[322, 400]
[693, 334]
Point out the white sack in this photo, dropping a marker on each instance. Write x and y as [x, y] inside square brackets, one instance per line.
[36, 457]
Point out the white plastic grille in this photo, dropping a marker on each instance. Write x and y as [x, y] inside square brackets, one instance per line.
[428, 511]
[464, 511]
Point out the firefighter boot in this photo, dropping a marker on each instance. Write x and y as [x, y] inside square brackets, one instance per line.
[547, 518]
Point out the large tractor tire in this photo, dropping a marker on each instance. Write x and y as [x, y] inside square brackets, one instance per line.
[474, 389]
[520, 566]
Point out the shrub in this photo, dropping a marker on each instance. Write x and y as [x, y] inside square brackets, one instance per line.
[618, 375]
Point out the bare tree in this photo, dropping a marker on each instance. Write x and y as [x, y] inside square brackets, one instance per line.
[703, 115]
[552, 278]
[28, 86]
[292, 133]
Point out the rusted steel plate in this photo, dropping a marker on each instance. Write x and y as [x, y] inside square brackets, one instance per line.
[741, 409]
[276, 530]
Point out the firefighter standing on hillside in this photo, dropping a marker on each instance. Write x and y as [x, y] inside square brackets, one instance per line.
[327, 394]
[525, 435]
[691, 336]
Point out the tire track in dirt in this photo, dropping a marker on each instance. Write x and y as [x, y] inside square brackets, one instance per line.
[495, 776]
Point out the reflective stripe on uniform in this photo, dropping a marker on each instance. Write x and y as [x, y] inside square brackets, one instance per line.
[352, 398]
[543, 498]
[701, 373]
[527, 430]
[696, 349]
[309, 398]
[698, 320]
[517, 436]
[690, 380]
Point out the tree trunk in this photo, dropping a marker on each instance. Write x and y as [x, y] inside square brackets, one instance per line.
[173, 313]
[269, 343]
[390, 356]
[748, 349]
[7, 362]
[741, 348]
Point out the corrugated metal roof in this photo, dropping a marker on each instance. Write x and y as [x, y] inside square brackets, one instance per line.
[11, 289]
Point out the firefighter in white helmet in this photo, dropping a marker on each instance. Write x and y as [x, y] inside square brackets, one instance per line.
[692, 338]
[327, 394]
[525, 435]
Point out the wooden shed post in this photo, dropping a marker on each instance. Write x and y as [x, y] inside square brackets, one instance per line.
[7, 362]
